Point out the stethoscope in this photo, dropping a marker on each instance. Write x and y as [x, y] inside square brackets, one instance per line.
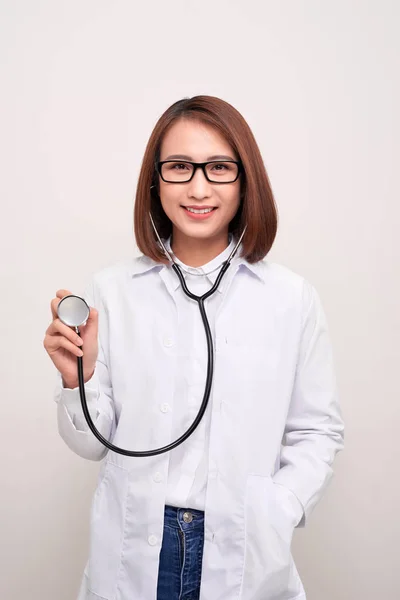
[74, 311]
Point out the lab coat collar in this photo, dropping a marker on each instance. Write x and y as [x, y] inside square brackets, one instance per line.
[144, 264]
[210, 269]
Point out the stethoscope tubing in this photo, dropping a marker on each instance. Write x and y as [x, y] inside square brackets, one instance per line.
[210, 361]
[208, 385]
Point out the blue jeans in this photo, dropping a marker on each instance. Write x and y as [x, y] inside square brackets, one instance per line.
[181, 554]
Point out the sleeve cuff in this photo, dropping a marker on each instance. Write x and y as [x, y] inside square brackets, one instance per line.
[71, 398]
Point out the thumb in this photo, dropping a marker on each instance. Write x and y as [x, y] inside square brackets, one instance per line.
[92, 322]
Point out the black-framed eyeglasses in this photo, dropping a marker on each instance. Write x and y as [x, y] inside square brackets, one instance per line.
[182, 171]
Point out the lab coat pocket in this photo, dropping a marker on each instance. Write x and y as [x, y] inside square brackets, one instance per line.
[269, 570]
[106, 531]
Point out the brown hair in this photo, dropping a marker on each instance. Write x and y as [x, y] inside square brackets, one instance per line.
[257, 208]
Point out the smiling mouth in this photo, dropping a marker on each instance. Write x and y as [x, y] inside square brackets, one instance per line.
[200, 211]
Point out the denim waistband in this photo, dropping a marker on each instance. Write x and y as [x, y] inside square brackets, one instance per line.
[183, 518]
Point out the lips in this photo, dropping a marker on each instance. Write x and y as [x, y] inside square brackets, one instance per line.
[197, 207]
[199, 215]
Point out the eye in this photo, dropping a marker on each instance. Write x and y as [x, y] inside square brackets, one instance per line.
[177, 166]
[222, 167]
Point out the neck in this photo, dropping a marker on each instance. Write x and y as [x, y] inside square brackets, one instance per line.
[196, 252]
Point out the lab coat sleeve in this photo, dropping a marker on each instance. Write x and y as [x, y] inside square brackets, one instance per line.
[314, 430]
[72, 425]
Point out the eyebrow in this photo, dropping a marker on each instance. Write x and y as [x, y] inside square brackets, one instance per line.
[186, 157]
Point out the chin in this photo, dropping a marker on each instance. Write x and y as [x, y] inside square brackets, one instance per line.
[197, 232]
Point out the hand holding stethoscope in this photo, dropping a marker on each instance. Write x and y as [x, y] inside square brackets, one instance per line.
[64, 344]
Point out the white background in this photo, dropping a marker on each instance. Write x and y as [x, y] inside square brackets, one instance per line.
[83, 84]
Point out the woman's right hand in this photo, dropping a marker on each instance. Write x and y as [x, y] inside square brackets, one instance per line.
[62, 344]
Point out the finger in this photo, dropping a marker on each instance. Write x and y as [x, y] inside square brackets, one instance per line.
[93, 314]
[53, 306]
[52, 343]
[57, 327]
[62, 293]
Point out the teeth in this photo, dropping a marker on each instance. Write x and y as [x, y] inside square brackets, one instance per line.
[198, 212]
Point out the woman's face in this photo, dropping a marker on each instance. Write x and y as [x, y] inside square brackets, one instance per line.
[197, 142]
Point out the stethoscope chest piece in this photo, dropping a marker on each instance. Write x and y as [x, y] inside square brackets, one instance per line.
[73, 311]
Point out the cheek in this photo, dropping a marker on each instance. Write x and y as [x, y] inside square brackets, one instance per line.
[233, 203]
[169, 201]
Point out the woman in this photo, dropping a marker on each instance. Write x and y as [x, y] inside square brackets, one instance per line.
[213, 518]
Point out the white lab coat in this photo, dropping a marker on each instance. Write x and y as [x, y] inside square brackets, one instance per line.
[275, 428]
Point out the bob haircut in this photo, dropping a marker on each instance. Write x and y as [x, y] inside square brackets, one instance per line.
[257, 208]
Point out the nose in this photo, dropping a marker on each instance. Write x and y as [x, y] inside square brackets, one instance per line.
[199, 187]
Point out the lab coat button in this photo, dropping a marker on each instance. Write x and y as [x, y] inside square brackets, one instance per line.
[157, 477]
[168, 342]
[164, 407]
[152, 539]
